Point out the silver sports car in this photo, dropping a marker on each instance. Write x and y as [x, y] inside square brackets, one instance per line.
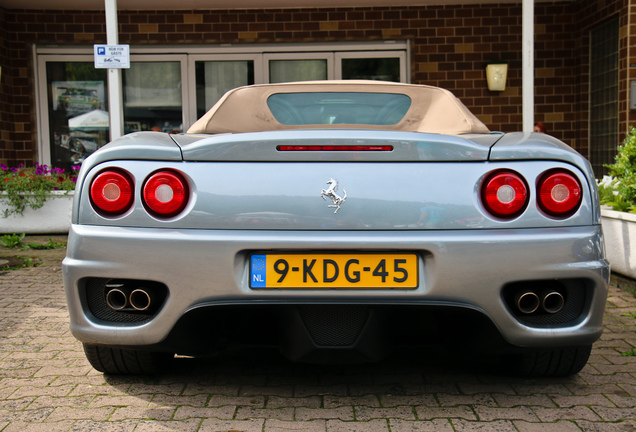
[336, 220]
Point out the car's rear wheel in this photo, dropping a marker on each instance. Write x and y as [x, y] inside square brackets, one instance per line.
[126, 362]
[548, 363]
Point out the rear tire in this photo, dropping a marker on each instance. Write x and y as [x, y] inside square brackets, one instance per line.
[126, 362]
[548, 363]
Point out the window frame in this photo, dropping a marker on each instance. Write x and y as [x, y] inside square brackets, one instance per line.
[192, 84]
[334, 52]
[182, 58]
[41, 99]
[401, 55]
[328, 56]
[596, 150]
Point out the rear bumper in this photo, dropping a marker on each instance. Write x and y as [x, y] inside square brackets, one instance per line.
[458, 269]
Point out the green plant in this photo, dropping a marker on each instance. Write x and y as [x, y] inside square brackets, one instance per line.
[16, 263]
[51, 244]
[631, 353]
[11, 240]
[619, 188]
[15, 240]
[28, 187]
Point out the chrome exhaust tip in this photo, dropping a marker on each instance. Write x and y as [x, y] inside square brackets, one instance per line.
[527, 302]
[552, 302]
[140, 300]
[116, 299]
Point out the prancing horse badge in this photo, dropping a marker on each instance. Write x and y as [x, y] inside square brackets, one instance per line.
[330, 193]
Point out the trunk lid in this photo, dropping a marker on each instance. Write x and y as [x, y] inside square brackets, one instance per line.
[405, 146]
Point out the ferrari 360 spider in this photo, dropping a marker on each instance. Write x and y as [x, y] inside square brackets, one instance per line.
[336, 220]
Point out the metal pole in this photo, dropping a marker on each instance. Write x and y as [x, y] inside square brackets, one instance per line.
[115, 99]
[528, 65]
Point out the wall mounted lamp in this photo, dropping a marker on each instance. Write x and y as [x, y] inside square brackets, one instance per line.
[496, 74]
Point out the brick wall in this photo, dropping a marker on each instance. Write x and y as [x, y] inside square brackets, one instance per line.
[451, 46]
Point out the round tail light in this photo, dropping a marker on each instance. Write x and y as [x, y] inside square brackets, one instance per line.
[112, 192]
[559, 193]
[504, 194]
[165, 193]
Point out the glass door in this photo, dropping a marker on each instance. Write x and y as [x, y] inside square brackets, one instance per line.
[153, 94]
[77, 111]
[289, 67]
[211, 76]
[215, 78]
[170, 91]
[370, 65]
[604, 99]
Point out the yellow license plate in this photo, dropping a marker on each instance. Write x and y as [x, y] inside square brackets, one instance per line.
[334, 271]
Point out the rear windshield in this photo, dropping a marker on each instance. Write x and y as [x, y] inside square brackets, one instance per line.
[382, 109]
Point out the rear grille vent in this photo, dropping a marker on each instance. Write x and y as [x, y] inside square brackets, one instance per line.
[573, 292]
[96, 290]
[334, 325]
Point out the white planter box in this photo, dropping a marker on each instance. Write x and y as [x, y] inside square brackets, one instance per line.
[53, 218]
[619, 230]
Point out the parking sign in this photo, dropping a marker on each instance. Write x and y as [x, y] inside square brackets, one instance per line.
[112, 56]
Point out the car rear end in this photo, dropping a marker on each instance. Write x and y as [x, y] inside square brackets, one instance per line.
[336, 244]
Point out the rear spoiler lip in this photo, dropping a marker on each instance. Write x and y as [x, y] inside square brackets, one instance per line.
[407, 146]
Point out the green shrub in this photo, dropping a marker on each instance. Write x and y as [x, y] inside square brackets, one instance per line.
[12, 240]
[619, 188]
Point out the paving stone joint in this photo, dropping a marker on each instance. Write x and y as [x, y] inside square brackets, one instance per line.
[46, 383]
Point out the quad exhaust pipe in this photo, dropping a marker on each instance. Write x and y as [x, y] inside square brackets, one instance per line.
[139, 299]
[552, 302]
[528, 302]
[116, 299]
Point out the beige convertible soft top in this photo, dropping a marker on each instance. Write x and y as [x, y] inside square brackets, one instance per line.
[432, 109]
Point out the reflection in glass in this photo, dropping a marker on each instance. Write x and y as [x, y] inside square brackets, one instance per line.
[604, 96]
[322, 108]
[215, 78]
[78, 111]
[297, 70]
[152, 97]
[379, 69]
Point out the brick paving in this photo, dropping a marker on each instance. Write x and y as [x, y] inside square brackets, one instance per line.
[47, 385]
